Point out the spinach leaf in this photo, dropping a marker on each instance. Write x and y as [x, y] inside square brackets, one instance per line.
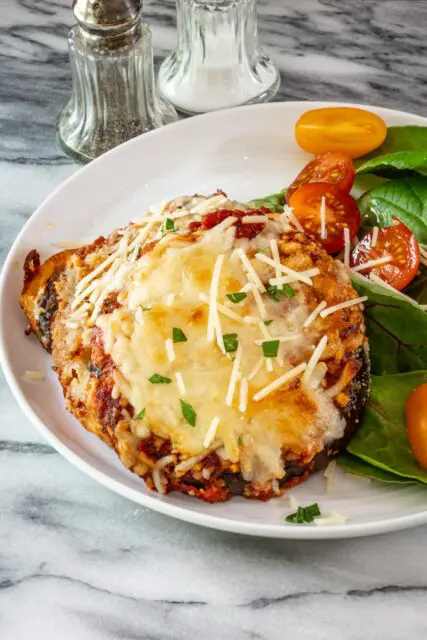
[405, 198]
[357, 466]
[275, 202]
[396, 329]
[407, 138]
[381, 439]
[397, 164]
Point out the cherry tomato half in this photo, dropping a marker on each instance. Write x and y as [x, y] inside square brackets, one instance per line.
[340, 211]
[397, 243]
[354, 131]
[416, 423]
[334, 168]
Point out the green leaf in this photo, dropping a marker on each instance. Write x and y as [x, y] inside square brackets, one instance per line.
[156, 378]
[400, 163]
[140, 415]
[405, 198]
[237, 297]
[145, 308]
[418, 287]
[178, 335]
[356, 466]
[396, 328]
[275, 202]
[270, 348]
[268, 322]
[188, 413]
[408, 138]
[274, 292]
[230, 342]
[381, 439]
[304, 515]
[169, 224]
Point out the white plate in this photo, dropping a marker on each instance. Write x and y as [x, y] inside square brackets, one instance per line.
[248, 152]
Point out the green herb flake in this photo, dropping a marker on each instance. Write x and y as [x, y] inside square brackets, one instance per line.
[169, 224]
[268, 322]
[140, 415]
[274, 292]
[188, 413]
[236, 297]
[240, 441]
[270, 348]
[156, 378]
[178, 335]
[145, 308]
[304, 515]
[230, 342]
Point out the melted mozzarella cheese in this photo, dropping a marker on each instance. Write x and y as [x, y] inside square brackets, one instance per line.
[176, 285]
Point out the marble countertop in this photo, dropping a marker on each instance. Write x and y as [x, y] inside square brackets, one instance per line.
[80, 563]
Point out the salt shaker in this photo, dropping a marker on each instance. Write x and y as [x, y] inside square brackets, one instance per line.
[217, 62]
[114, 96]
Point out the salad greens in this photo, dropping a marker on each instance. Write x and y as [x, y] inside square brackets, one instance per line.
[381, 439]
[396, 326]
[405, 198]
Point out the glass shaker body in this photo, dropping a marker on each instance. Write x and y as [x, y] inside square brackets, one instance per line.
[114, 96]
[217, 62]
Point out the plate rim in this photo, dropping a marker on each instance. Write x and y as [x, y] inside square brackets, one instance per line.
[277, 531]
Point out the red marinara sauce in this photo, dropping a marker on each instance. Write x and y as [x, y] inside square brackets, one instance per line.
[243, 230]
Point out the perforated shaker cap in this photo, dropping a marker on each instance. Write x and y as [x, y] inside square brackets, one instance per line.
[112, 16]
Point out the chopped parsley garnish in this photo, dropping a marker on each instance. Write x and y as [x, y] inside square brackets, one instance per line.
[145, 308]
[178, 335]
[268, 322]
[230, 342]
[169, 224]
[140, 415]
[240, 441]
[274, 292]
[156, 378]
[188, 413]
[237, 297]
[270, 348]
[304, 515]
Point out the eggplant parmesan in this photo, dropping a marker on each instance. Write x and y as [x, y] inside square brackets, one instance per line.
[217, 348]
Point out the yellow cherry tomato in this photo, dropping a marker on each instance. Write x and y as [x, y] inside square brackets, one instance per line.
[353, 131]
[416, 423]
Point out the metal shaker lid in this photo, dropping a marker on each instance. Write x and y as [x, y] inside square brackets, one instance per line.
[114, 16]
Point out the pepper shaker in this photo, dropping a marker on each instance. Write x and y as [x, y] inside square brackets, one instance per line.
[114, 96]
[217, 62]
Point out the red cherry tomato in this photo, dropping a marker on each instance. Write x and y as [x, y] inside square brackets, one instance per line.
[416, 423]
[332, 167]
[397, 243]
[340, 211]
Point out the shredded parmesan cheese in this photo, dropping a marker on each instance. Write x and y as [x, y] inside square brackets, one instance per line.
[257, 368]
[332, 518]
[323, 233]
[315, 357]
[252, 274]
[213, 297]
[243, 402]
[275, 255]
[373, 263]
[381, 282]
[180, 383]
[283, 269]
[288, 338]
[343, 305]
[330, 475]
[273, 386]
[211, 432]
[374, 237]
[228, 312]
[260, 302]
[313, 315]
[347, 246]
[170, 351]
[293, 502]
[254, 219]
[310, 273]
[234, 376]
[33, 376]
[288, 211]
[268, 364]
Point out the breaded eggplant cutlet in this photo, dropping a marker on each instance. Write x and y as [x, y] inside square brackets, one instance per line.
[218, 350]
